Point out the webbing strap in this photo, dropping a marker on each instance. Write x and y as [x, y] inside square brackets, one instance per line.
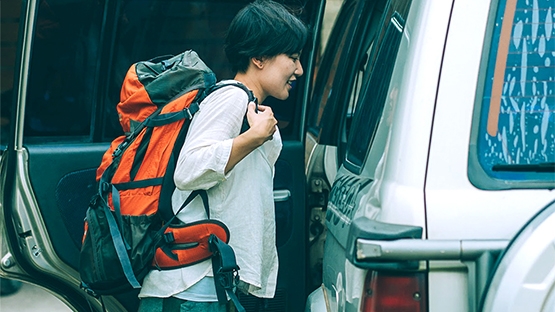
[121, 250]
[189, 199]
[164, 119]
[116, 201]
[192, 196]
[238, 84]
[138, 184]
[225, 269]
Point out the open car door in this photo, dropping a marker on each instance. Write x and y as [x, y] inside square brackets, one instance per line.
[58, 118]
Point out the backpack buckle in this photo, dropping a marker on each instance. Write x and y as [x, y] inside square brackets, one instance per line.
[192, 109]
[119, 150]
[227, 279]
[105, 187]
[169, 238]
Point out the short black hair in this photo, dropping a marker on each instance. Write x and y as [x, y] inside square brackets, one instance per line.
[263, 28]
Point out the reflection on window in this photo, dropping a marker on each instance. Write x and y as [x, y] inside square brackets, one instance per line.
[327, 74]
[361, 77]
[517, 122]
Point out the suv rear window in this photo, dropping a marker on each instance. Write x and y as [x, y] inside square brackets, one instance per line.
[513, 141]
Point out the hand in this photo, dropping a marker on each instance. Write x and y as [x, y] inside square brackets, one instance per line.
[262, 124]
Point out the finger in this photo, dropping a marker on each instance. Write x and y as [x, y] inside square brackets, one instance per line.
[263, 108]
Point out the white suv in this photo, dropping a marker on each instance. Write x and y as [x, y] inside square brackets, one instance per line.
[431, 165]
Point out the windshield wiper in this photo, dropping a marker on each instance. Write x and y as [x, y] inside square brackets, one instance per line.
[540, 167]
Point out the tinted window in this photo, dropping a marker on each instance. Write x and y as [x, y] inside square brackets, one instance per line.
[9, 24]
[515, 126]
[376, 84]
[329, 70]
[146, 29]
[340, 77]
[82, 49]
[359, 75]
[61, 84]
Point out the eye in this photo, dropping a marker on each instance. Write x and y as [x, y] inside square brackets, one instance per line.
[294, 57]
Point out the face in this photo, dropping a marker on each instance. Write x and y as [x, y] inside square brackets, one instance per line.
[279, 74]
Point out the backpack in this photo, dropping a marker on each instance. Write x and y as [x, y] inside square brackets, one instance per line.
[130, 226]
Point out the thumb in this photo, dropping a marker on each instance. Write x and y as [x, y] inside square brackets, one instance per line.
[252, 107]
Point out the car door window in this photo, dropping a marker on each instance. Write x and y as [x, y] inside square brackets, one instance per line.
[61, 84]
[76, 72]
[366, 35]
[513, 142]
[9, 31]
[82, 50]
[374, 94]
[340, 76]
[329, 70]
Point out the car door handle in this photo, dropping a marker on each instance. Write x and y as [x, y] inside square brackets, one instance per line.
[281, 195]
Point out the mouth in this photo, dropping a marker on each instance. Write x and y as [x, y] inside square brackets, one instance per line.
[292, 83]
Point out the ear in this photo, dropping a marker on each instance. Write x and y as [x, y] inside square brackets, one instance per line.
[258, 62]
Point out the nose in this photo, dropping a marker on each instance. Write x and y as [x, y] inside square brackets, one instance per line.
[299, 70]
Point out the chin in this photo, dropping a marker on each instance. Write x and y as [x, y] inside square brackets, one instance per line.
[284, 96]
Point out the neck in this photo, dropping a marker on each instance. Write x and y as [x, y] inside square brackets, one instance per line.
[252, 85]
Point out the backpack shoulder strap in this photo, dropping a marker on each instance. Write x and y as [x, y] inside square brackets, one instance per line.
[222, 84]
[238, 84]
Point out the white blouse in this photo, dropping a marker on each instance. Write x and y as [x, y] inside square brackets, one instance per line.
[242, 199]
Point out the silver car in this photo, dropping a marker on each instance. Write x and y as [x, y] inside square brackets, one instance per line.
[433, 157]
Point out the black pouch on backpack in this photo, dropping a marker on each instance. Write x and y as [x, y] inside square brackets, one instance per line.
[139, 236]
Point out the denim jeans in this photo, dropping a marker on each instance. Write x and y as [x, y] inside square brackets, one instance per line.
[172, 304]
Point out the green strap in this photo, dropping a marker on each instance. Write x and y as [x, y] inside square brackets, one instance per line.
[121, 249]
[225, 269]
[165, 119]
[138, 184]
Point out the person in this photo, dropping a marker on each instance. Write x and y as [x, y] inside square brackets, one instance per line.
[263, 45]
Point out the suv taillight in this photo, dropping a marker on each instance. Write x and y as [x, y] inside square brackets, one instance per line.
[395, 292]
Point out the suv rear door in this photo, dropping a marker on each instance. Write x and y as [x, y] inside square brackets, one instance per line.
[58, 118]
[494, 111]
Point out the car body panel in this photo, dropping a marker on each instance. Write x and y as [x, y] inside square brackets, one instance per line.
[418, 169]
[455, 208]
